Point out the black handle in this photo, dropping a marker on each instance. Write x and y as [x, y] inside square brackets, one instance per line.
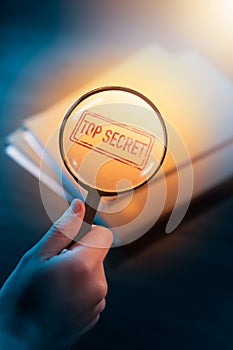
[91, 203]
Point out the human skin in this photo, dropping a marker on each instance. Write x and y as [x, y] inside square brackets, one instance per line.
[54, 296]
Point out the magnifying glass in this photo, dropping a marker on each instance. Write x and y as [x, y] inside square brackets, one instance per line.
[112, 140]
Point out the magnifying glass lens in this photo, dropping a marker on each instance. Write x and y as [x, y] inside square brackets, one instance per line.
[112, 140]
[113, 136]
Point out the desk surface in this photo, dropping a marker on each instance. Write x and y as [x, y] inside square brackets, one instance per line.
[164, 291]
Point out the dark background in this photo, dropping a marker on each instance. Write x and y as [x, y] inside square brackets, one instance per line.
[165, 292]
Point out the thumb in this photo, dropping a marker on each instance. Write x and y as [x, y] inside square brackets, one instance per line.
[63, 231]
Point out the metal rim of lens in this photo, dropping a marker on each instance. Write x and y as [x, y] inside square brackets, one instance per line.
[96, 91]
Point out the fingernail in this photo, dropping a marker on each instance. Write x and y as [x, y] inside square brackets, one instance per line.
[76, 206]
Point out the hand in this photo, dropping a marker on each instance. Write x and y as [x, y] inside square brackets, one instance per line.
[52, 297]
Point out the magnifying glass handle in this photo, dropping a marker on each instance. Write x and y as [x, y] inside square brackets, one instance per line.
[91, 203]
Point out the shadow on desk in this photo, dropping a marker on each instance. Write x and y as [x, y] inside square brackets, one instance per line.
[199, 206]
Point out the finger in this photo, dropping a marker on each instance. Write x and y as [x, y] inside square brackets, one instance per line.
[90, 325]
[94, 246]
[94, 313]
[85, 328]
[63, 231]
[99, 307]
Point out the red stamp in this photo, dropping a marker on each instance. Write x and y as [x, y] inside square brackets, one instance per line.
[118, 141]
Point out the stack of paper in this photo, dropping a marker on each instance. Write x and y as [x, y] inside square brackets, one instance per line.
[196, 102]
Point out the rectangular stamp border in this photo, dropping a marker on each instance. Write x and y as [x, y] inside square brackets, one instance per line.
[110, 154]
